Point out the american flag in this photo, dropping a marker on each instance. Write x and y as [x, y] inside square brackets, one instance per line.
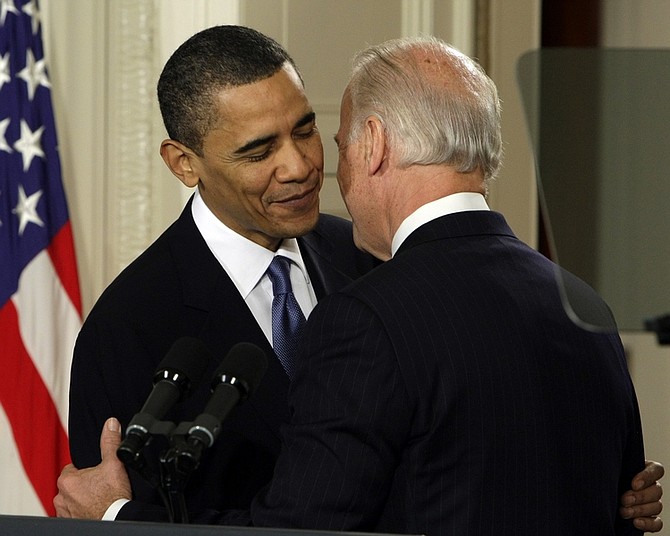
[40, 305]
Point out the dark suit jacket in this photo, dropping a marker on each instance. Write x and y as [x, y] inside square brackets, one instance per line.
[448, 392]
[177, 288]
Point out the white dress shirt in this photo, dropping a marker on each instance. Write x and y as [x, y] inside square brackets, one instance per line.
[246, 262]
[450, 204]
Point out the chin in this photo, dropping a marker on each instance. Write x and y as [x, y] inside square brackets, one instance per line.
[302, 227]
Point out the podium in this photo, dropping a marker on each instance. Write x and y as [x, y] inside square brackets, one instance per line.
[47, 526]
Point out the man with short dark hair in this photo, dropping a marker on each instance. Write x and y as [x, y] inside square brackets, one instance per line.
[243, 134]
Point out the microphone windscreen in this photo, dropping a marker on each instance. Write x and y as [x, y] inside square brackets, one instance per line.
[247, 363]
[189, 357]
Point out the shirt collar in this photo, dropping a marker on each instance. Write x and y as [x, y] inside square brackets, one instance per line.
[459, 202]
[244, 261]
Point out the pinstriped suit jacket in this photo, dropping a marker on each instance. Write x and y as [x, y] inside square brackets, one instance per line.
[448, 392]
[177, 288]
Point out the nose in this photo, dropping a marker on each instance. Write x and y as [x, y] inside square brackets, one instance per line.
[295, 164]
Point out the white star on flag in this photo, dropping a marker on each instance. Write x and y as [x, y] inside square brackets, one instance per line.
[4, 146]
[5, 7]
[29, 144]
[4, 70]
[26, 209]
[34, 73]
[31, 10]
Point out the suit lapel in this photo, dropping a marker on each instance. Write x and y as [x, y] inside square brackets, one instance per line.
[228, 320]
[317, 252]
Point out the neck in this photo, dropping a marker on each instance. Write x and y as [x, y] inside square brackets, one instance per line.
[417, 185]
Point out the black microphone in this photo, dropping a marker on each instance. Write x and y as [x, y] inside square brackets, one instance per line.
[180, 370]
[234, 381]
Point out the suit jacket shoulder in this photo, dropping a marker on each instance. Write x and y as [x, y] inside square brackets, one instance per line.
[456, 375]
[176, 288]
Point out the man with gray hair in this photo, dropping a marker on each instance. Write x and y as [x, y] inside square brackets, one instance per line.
[448, 391]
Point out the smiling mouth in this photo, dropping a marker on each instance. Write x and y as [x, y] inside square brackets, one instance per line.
[298, 199]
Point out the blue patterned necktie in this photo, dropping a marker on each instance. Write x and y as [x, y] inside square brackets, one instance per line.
[288, 321]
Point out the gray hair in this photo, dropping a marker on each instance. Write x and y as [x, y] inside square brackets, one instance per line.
[453, 119]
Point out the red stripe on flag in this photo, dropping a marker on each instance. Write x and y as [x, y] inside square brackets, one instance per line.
[61, 251]
[38, 433]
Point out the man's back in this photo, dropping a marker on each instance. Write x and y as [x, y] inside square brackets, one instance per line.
[466, 401]
[513, 402]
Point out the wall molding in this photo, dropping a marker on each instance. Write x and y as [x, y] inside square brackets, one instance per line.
[129, 131]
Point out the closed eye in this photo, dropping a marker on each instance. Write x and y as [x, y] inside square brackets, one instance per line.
[303, 134]
[306, 126]
[262, 156]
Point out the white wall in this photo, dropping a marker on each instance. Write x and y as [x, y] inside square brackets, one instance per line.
[635, 23]
[514, 28]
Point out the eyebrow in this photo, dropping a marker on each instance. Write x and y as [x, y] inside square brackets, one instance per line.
[306, 119]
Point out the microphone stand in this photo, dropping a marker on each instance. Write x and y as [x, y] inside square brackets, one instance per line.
[177, 466]
[173, 483]
[188, 440]
[174, 471]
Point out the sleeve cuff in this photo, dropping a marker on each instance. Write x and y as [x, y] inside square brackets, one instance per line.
[114, 508]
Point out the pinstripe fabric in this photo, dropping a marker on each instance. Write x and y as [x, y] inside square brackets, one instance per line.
[448, 393]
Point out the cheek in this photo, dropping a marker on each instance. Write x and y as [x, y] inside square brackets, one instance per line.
[313, 151]
[344, 174]
[237, 191]
[342, 181]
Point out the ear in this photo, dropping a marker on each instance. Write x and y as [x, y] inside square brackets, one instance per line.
[375, 144]
[180, 159]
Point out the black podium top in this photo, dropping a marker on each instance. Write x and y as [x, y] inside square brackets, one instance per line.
[45, 526]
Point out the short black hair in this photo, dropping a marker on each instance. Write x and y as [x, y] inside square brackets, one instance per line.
[209, 61]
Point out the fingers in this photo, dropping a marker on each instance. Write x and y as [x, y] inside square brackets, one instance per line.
[648, 524]
[643, 507]
[646, 502]
[643, 503]
[639, 508]
[69, 468]
[651, 494]
[87, 493]
[59, 501]
[61, 507]
[652, 472]
[110, 439]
